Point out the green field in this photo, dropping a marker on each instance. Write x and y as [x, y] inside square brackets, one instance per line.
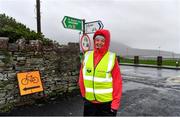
[166, 62]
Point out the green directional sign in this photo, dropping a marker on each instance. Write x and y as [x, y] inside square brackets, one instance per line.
[72, 23]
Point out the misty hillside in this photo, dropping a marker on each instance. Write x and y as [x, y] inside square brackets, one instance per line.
[124, 50]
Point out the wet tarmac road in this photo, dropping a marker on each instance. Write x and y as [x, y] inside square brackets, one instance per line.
[150, 92]
[153, 73]
[146, 92]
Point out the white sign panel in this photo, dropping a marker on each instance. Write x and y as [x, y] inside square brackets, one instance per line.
[91, 27]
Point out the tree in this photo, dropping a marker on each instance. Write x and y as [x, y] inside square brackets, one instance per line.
[9, 27]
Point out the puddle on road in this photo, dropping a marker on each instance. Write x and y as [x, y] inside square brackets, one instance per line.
[130, 85]
[173, 80]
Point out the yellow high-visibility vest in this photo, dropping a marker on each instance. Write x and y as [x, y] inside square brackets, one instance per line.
[98, 80]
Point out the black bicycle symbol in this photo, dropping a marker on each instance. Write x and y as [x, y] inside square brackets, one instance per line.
[29, 78]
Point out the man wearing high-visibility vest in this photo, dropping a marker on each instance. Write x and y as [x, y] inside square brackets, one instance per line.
[100, 79]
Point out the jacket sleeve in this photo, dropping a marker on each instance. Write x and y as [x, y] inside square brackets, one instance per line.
[81, 83]
[117, 86]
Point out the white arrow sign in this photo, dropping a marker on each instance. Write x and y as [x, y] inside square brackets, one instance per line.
[91, 27]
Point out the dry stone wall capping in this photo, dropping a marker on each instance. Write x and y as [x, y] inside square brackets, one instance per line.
[58, 66]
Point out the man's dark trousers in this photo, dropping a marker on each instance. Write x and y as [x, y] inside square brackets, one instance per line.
[98, 109]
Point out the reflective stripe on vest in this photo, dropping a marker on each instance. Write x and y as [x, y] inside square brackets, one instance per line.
[98, 81]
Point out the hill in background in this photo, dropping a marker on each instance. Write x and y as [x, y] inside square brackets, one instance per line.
[124, 50]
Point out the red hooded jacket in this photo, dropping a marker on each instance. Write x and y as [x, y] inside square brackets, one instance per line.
[116, 75]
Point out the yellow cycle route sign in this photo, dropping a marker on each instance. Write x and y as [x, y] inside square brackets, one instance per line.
[29, 82]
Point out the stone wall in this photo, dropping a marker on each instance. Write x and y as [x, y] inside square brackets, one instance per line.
[58, 66]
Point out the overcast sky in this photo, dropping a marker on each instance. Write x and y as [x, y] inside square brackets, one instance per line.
[144, 24]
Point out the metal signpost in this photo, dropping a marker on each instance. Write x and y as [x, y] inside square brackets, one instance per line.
[80, 24]
[86, 28]
[91, 27]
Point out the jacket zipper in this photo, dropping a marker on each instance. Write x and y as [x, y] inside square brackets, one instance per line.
[93, 84]
[94, 74]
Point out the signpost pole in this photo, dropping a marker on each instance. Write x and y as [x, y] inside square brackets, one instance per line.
[83, 26]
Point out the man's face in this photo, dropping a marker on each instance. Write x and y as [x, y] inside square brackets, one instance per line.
[99, 43]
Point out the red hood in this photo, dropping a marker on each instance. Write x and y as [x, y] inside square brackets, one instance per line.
[105, 48]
